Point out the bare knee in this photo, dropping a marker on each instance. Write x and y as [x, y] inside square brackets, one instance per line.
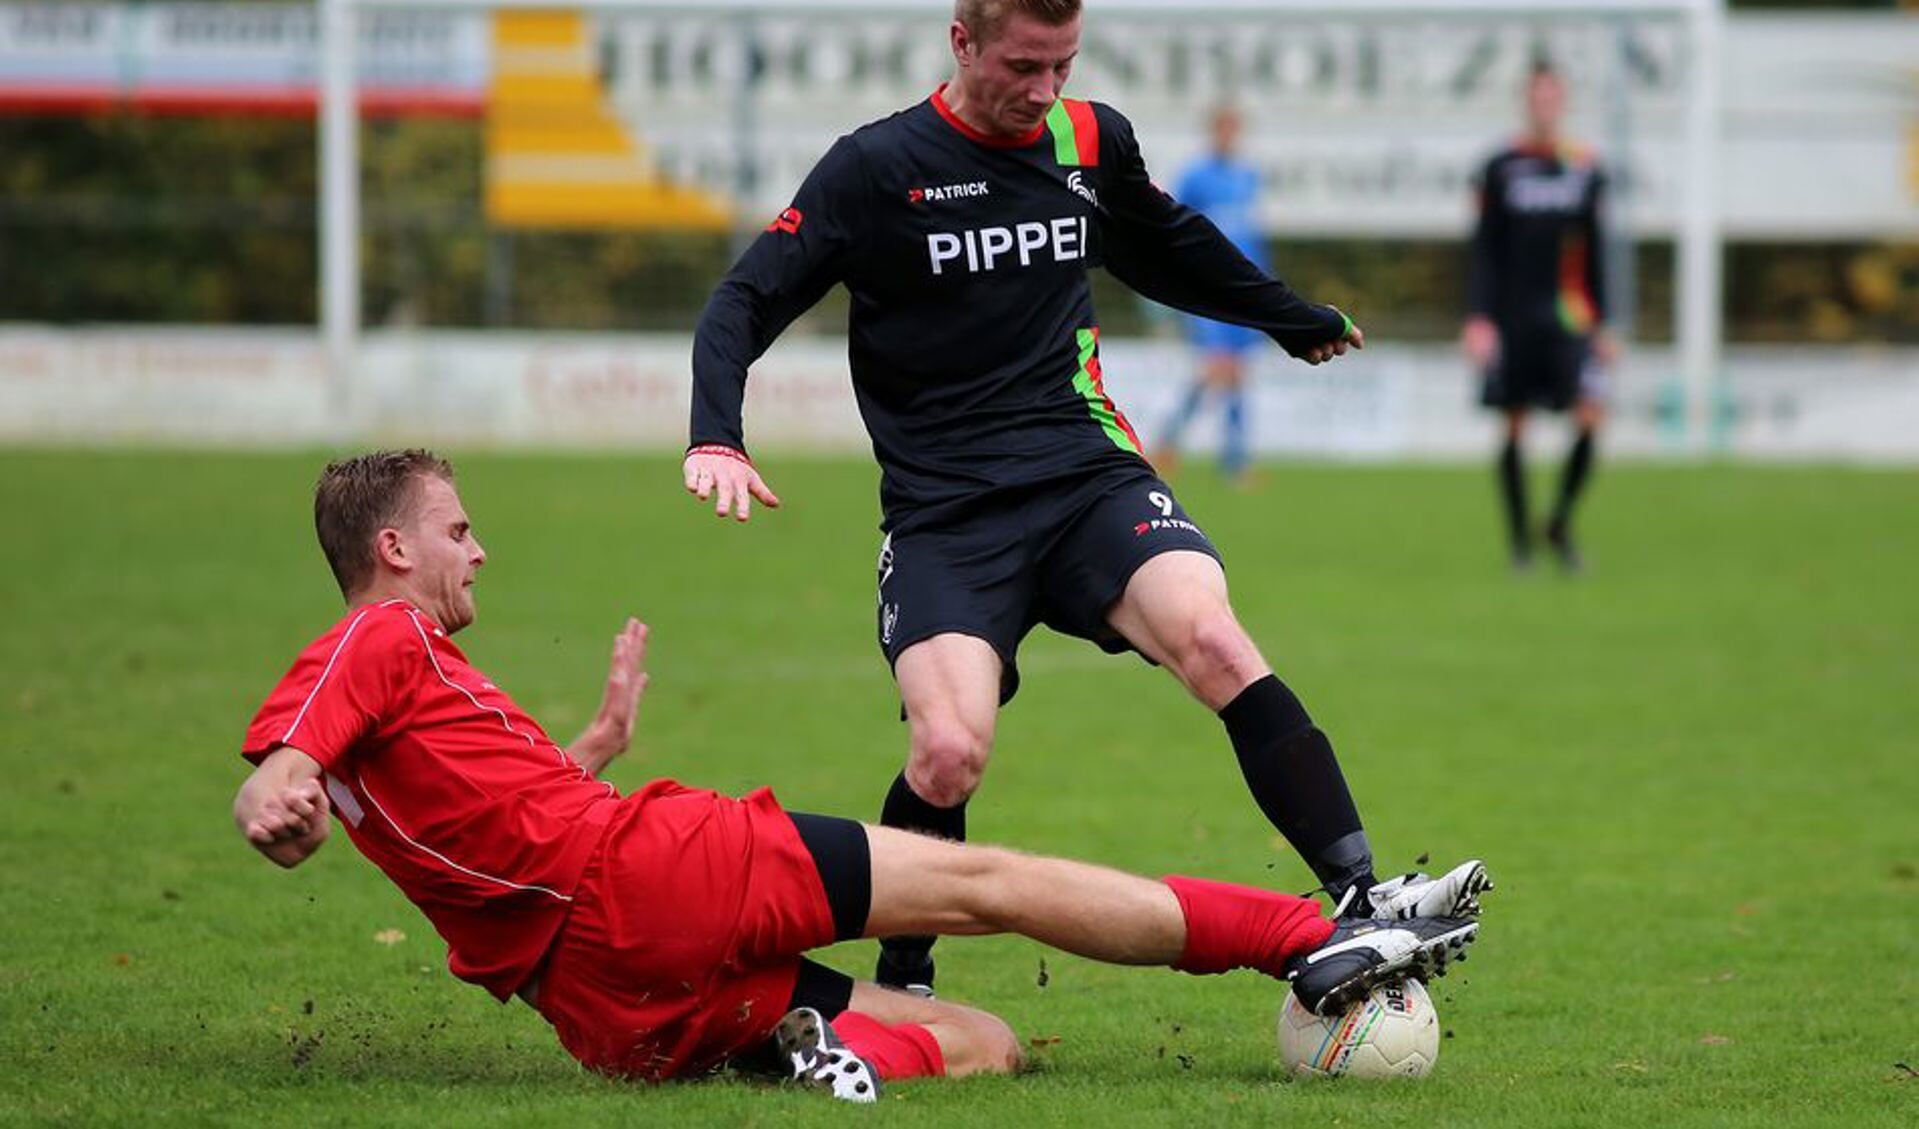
[1217, 659]
[977, 1042]
[948, 761]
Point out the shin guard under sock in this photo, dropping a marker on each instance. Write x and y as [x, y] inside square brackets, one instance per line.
[1294, 777]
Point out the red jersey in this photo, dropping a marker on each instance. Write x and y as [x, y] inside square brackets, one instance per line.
[444, 783]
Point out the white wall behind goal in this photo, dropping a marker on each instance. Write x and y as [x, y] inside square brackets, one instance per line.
[270, 388]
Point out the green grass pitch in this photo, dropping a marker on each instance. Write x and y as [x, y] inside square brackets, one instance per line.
[1693, 772]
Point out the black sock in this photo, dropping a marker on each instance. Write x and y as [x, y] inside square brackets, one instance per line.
[1572, 480]
[905, 810]
[1289, 765]
[1512, 486]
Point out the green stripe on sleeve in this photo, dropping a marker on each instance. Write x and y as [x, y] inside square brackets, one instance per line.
[1065, 137]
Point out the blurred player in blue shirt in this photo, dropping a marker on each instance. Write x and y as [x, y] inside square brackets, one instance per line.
[1225, 188]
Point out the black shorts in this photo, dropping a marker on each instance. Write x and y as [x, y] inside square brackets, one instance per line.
[845, 862]
[1059, 556]
[1551, 370]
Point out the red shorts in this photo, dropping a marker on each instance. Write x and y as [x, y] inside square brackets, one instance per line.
[684, 938]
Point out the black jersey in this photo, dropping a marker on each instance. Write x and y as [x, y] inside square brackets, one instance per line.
[1536, 253]
[973, 344]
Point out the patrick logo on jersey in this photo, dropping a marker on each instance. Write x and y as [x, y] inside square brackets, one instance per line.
[937, 193]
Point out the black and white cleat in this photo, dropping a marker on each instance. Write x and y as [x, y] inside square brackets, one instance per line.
[1452, 894]
[819, 1059]
[1363, 953]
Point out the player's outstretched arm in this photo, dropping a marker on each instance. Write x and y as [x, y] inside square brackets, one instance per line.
[791, 266]
[727, 478]
[282, 807]
[611, 730]
[1174, 255]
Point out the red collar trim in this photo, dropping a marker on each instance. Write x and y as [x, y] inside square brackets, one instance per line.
[939, 103]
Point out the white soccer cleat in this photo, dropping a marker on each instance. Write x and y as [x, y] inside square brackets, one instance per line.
[1453, 894]
[820, 1061]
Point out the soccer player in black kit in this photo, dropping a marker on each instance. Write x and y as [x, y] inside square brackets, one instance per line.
[1013, 488]
[1536, 328]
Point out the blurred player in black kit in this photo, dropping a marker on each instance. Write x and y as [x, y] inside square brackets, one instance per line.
[1538, 305]
[1013, 488]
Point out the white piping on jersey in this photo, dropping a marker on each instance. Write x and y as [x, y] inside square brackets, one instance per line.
[417, 845]
[360, 780]
[505, 722]
[287, 737]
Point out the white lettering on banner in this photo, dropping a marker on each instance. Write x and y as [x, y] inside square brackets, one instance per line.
[984, 247]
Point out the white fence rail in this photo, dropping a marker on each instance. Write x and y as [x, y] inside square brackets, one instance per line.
[270, 388]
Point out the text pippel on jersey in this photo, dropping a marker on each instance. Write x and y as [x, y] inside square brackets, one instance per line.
[1060, 240]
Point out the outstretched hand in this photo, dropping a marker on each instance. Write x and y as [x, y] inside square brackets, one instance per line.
[611, 730]
[728, 478]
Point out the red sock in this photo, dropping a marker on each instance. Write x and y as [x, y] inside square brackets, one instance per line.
[1229, 926]
[902, 1050]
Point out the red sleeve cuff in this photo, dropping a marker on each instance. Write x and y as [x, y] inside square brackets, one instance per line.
[718, 449]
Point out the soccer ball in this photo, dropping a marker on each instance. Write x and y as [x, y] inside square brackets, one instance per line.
[1392, 1033]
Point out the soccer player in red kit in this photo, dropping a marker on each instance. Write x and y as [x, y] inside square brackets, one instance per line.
[662, 932]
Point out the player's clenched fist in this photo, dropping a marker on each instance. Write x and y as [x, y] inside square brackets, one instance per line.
[296, 811]
[727, 477]
[1351, 338]
[283, 818]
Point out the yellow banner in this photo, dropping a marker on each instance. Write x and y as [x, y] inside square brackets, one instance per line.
[557, 156]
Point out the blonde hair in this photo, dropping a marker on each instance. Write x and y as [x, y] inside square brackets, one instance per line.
[357, 497]
[985, 18]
